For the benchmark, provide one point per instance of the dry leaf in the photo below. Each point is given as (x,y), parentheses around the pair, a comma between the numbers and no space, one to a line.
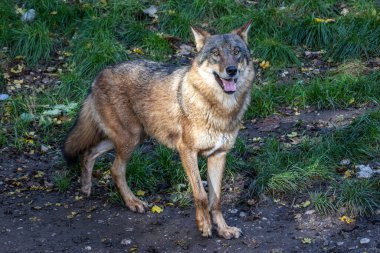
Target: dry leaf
(306,240)
(347,219)
(306,203)
(156,209)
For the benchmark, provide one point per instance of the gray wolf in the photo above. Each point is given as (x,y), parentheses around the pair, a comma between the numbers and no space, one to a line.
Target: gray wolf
(194,109)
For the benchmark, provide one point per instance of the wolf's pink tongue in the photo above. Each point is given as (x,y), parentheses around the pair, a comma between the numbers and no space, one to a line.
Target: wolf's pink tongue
(229,85)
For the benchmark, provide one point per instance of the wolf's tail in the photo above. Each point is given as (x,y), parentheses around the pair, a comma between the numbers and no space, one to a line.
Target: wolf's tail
(83,135)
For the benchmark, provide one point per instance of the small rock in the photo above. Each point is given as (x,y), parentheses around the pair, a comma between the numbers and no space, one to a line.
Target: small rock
(308,212)
(242,214)
(339,243)
(345,162)
(45,80)
(44,148)
(29,16)
(233,211)
(326,243)
(204,183)
(151,11)
(88,248)
(364,240)
(4,97)
(126,241)
(364,171)
(51,69)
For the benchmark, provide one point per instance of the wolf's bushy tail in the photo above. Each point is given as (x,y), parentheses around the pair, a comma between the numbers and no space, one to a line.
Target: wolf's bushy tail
(83,135)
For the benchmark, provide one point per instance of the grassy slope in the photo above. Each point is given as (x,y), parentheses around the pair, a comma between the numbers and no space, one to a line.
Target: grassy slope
(93,34)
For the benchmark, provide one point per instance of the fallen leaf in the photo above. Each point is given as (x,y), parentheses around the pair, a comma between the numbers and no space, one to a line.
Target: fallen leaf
(348,174)
(34,219)
(72,215)
(292,134)
(156,209)
(264,64)
(306,203)
(19,68)
(306,240)
(140,193)
(347,219)
(137,50)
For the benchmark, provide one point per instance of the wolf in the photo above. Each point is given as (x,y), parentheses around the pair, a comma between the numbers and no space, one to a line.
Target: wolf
(193,109)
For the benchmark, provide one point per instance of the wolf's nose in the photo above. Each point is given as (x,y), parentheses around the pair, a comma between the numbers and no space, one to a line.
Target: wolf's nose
(231,70)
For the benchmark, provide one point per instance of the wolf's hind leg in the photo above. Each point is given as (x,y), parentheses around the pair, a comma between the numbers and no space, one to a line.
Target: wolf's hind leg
(215,170)
(89,161)
(123,154)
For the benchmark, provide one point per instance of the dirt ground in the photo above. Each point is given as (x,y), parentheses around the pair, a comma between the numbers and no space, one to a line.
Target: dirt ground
(35,217)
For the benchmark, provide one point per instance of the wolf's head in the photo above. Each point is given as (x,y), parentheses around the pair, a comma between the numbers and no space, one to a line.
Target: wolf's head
(223,57)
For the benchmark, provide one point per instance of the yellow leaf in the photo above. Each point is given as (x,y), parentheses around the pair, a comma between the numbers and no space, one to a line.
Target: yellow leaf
(19,10)
(72,215)
(39,174)
(306,203)
(18,68)
(67,54)
(34,219)
(352,100)
(140,193)
(156,209)
(347,219)
(78,197)
(306,240)
(292,134)
(137,50)
(264,64)
(319,20)
(53,13)
(348,174)
(242,126)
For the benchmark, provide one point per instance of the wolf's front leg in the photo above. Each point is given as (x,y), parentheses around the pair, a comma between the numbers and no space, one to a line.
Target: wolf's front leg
(190,163)
(215,170)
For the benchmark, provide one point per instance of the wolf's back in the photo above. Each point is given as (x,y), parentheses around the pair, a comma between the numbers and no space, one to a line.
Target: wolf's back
(83,135)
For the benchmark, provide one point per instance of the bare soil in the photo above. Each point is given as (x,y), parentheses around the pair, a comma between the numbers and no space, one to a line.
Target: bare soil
(35,217)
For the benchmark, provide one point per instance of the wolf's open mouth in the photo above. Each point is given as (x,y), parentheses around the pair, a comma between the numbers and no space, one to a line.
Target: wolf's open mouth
(228,85)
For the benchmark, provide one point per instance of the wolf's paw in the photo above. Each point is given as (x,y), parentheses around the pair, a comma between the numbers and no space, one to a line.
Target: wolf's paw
(229,232)
(204,224)
(136,205)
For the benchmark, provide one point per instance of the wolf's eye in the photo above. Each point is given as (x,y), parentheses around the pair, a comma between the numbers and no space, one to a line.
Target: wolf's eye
(215,52)
(236,51)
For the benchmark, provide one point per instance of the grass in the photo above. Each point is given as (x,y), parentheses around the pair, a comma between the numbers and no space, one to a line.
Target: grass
(62,180)
(331,92)
(282,170)
(90,35)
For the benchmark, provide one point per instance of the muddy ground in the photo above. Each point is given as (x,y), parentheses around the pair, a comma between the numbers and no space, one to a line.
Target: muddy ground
(35,217)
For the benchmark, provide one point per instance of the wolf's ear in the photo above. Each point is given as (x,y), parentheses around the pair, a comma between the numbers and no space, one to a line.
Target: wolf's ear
(243,31)
(200,37)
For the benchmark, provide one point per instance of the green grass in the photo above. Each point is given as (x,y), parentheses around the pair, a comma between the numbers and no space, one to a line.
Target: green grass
(331,92)
(98,34)
(34,42)
(281,170)
(62,180)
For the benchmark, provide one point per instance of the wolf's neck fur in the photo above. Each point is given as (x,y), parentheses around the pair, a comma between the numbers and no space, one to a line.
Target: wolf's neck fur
(209,103)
